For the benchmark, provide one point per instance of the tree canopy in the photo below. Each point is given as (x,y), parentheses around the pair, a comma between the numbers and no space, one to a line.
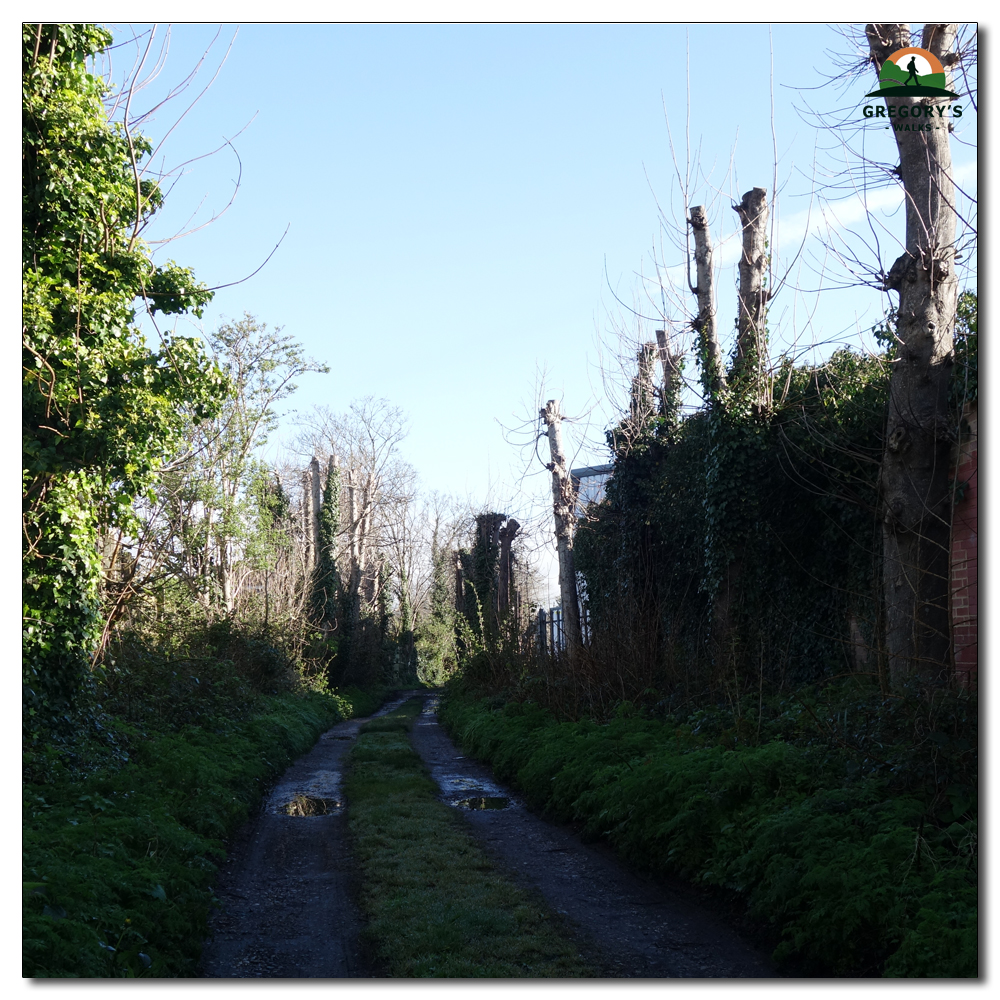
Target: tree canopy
(101,408)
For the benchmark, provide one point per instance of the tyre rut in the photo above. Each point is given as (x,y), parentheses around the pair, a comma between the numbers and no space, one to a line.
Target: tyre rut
(632,926)
(287,891)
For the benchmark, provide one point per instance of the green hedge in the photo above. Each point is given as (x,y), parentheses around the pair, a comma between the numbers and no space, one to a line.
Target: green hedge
(120,858)
(831,864)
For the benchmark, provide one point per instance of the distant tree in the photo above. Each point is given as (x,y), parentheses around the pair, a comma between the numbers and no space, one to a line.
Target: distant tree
(377,486)
(261,364)
(327,584)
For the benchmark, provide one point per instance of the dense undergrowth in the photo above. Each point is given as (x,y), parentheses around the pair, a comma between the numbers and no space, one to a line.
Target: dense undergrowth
(844,827)
(126,815)
(435,904)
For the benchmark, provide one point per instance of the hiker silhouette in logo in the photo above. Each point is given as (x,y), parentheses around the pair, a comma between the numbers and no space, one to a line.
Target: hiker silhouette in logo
(911,68)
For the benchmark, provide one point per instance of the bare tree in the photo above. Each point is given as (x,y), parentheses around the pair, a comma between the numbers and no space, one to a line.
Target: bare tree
(378,485)
(564,512)
(915,467)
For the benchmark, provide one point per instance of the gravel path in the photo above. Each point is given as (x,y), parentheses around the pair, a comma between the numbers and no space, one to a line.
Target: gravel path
(289,887)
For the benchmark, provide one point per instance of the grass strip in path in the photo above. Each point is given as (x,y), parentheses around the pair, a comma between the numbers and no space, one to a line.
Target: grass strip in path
(436,905)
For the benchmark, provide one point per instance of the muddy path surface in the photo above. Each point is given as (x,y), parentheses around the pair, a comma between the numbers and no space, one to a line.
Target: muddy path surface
(628,926)
(288,890)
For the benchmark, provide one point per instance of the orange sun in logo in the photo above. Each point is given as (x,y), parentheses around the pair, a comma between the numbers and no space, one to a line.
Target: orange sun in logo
(927,62)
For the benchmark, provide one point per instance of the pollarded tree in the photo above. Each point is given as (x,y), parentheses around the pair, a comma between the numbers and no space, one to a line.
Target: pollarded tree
(101,410)
(564,513)
(916,463)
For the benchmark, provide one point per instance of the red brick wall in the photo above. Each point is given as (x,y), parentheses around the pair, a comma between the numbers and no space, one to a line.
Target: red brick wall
(965,558)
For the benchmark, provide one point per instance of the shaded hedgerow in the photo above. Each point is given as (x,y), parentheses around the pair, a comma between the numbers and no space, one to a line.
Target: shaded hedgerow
(121,841)
(744,547)
(847,863)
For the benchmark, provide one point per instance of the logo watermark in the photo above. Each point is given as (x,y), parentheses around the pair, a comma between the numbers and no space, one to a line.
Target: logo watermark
(913,73)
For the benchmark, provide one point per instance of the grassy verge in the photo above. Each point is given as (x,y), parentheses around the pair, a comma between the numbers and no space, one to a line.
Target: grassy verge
(841,868)
(120,855)
(435,904)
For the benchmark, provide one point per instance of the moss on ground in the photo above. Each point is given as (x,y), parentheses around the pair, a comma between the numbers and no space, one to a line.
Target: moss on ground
(436,906)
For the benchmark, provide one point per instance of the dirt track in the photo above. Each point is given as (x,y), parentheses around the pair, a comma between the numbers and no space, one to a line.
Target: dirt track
(288,891)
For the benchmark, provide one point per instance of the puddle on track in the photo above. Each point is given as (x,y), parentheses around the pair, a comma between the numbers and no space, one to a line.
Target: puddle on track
(321,786)
(460,790)
(306,806)
(483,802)
(634,926)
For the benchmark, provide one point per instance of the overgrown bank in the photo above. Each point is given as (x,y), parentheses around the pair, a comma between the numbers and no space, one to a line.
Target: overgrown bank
(123,832)
(843,857)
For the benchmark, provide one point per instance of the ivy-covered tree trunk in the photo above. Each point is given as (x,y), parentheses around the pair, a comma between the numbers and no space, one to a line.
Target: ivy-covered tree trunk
(326,585)
(507,535)
(643,406)
(307,521)
(735,432)
(709,351)
(564,512)
(915,464)
(750,367)
(670,402)
(354,550)
(315,506)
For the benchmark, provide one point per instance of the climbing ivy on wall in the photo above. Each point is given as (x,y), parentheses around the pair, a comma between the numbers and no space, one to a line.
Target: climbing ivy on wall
(788,496)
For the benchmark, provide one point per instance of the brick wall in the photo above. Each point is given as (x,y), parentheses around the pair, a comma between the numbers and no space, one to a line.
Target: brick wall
(965,557)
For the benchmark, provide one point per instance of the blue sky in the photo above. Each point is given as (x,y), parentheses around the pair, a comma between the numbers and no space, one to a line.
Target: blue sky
(465,205)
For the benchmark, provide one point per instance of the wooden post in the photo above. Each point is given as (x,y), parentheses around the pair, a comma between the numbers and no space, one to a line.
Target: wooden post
(564,512)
